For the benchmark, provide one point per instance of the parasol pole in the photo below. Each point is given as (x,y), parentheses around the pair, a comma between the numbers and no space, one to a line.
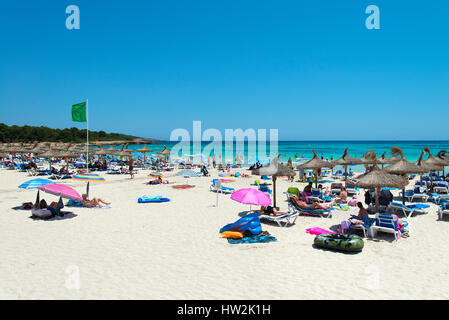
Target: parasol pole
(87,135)
(274,191)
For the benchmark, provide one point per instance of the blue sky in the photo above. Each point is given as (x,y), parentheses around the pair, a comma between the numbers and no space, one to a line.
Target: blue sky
(309,68)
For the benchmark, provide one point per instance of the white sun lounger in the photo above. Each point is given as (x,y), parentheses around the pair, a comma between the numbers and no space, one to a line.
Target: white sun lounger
(288,218)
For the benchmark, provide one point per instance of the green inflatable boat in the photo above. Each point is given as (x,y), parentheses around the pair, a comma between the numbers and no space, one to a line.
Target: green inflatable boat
(343,242)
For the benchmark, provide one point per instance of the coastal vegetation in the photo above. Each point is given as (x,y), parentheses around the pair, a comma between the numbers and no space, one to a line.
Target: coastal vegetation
(30,134)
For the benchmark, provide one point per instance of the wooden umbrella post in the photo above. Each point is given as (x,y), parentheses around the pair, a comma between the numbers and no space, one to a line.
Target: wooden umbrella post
(274,191)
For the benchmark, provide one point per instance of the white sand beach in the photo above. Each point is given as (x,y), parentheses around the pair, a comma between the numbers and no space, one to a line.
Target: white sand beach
(173,250)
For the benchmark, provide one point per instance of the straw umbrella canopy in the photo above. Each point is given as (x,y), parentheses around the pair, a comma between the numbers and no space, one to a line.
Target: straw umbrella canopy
(48,155)
(404,167)
(101,152)
(377,178)
(144,150)
(436,163)
(274,169)
(345,160)
(383,160)
(315,164)
(444,158)
(165,152)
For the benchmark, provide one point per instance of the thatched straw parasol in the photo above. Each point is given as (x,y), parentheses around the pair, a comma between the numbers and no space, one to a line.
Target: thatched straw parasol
(383,160)
(165,152)
(436,161)
(377,178)
(345,160)
(144,150)
(101,152)
(404,167)
(315,164)
(274,169)
(48,155)
(368,158)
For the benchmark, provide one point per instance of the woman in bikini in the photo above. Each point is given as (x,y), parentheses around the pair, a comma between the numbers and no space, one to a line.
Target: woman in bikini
(94,202)
(313,206)
(269,210)
(343,197)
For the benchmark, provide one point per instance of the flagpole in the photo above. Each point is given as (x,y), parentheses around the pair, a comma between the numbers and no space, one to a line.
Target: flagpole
(87,134)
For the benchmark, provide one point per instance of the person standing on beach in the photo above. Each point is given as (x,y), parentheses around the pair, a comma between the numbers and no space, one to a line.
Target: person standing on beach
(214,161)
(131,167)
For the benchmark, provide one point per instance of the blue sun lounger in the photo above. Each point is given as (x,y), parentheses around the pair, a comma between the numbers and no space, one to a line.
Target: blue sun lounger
(319,213)
(417,193)
(408,210)
(218,187)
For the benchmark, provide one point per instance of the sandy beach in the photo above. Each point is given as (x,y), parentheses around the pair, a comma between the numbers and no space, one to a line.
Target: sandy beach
(173,250)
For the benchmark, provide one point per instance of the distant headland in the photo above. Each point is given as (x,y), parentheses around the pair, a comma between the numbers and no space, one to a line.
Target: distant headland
(14,133)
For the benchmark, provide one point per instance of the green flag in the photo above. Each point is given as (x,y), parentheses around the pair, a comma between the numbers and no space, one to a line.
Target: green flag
(79,112)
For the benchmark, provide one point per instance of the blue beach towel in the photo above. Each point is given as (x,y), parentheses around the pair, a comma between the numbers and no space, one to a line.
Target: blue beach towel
(253,239)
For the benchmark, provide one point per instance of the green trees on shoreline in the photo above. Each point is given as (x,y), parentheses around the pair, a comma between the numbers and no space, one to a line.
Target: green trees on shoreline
(29,134)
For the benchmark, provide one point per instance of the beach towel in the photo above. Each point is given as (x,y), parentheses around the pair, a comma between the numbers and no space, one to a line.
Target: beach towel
(183,186)
(317,231)
(260,238)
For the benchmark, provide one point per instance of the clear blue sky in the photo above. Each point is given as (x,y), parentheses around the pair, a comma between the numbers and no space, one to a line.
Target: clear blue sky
(309,68)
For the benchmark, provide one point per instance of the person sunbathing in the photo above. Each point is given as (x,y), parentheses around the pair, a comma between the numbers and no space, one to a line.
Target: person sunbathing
(313,206)
(343,197)
(41,205)
(94,202)
(53,207)
(362,211)
(269,210)
(158,180)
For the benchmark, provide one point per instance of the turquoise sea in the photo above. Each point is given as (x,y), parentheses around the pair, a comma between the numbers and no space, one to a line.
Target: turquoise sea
(329,149)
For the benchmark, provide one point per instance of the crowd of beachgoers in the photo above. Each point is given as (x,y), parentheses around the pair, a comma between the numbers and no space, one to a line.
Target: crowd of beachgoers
(157,228)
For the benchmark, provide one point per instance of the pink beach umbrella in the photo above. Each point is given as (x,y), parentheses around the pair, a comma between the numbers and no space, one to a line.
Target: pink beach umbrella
(62,190)
(251,196)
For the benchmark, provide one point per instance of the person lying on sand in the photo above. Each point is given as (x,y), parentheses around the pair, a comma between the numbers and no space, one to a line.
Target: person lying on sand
(94,202)
(313,206)
(158,180)
(53,207)
(269,210)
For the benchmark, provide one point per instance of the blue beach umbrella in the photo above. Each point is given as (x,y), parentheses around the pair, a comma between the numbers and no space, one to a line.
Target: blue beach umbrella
(187,173)
(34,184)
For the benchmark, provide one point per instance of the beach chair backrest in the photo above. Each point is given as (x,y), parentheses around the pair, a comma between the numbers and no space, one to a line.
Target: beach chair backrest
(263,188)
(386,220)
(445,206)
(418,190)
(316,192)
(294,190)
